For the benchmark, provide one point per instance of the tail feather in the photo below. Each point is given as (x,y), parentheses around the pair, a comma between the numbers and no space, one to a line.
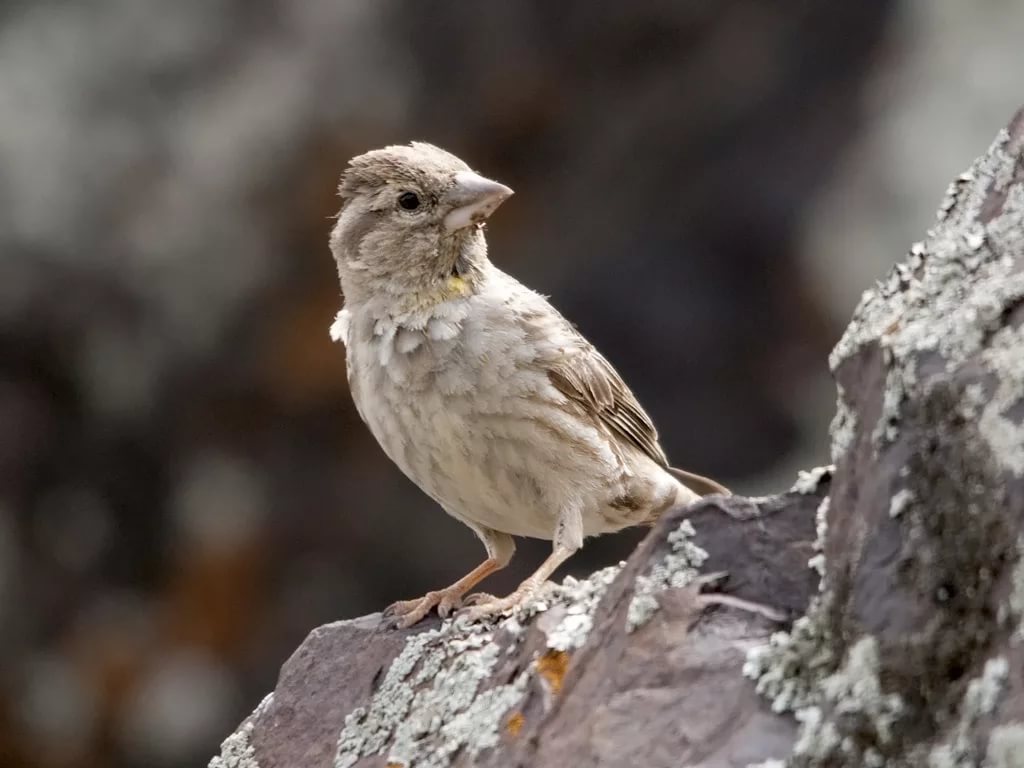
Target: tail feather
(699,484)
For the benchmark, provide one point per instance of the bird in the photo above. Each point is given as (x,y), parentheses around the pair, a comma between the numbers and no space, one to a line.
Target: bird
(476,387)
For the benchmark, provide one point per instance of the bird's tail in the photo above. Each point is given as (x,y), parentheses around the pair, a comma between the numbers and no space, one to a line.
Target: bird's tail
(700,485)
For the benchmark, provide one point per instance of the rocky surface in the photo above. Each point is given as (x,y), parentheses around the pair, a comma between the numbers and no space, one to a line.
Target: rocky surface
(912,653)
(899,574)
(568,679)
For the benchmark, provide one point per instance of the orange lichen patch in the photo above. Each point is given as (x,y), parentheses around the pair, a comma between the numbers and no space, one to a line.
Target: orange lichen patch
(394,765)
(515,723)
(552,667)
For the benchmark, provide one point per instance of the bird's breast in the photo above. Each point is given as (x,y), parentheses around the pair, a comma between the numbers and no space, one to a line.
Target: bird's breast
(457,403)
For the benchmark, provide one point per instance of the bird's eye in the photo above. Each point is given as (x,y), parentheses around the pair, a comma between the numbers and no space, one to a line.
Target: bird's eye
(410,201)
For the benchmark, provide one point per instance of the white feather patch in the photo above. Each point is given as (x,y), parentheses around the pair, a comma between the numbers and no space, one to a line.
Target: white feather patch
(407,341)
(339,328)
(442,330)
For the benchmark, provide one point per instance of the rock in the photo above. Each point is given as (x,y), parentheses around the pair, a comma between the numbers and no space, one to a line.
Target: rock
(572,674)
(912,653)
(899,574)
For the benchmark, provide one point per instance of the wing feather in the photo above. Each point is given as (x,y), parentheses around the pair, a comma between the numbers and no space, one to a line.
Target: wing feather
(582,374)
(585,377)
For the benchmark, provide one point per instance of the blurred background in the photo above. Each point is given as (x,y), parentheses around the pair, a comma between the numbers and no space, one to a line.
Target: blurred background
(185,487)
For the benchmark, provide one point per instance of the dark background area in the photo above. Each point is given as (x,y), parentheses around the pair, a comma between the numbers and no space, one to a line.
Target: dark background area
(185,487)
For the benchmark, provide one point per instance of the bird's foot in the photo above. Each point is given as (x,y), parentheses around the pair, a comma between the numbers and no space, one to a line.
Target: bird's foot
(478,598)
(405,613)
(482,606)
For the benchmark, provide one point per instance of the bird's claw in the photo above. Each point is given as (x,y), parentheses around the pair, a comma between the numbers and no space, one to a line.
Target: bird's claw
(405,613)
(478,598)
(482,606)
(486,610)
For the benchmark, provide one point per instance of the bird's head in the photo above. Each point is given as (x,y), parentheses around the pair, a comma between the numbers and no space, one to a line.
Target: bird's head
(410,225)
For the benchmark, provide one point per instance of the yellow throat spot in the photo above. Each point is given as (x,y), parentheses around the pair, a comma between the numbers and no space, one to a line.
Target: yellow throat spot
(453,287)
(457,285)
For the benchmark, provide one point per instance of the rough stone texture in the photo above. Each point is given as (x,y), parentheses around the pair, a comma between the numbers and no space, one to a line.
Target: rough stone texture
(355,694)
(902,569)
(911,654)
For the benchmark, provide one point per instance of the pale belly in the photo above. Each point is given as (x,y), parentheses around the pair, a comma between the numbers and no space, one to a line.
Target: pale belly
(490,469)
(511,462)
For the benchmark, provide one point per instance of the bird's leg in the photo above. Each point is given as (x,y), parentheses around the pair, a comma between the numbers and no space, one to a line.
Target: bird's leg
(567,540)
(408,612)
(524,591)
(405,613)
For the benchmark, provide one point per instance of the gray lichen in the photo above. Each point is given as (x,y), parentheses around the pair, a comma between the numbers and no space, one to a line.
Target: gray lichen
(948,296)
(789,668)
(899,381)
(1015,603)
(983,692)
(899,502)
(453,709)
(437,697)
(956,542)
(982,695)
(817,562)
(678,568)
(843,429)
(579,601)
(235,750)
(807,481)
(1006,747)
(948,305)
(429,704)
(853,694)
(1005,437)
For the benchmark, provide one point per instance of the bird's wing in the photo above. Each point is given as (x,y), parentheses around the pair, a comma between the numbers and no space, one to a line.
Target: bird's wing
(584,376)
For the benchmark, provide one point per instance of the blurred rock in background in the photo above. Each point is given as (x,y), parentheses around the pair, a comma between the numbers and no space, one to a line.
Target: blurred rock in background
(185,487)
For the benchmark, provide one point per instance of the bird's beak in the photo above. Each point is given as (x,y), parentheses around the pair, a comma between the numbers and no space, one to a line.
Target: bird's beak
(473,199)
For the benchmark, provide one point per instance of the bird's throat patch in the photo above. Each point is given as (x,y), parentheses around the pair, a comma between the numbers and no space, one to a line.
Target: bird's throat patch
(457,286)
(453,287)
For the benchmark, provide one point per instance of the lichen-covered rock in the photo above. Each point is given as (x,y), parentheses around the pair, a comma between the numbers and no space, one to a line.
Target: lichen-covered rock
(572,678)
(902,566)
(911,654)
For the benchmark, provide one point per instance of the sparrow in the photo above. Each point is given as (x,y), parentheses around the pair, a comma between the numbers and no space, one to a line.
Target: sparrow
(480,391)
